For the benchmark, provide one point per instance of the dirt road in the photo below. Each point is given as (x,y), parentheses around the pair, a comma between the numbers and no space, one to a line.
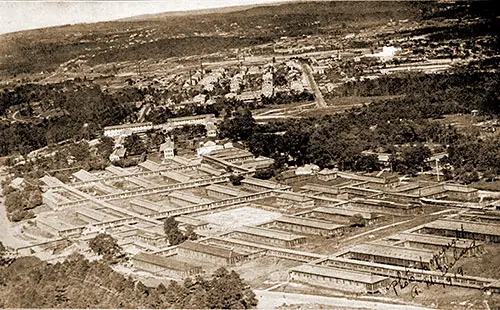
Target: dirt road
(270,300)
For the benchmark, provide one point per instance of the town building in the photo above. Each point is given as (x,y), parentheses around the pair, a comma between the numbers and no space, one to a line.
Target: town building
(167,148)
(118,153)
(127,129)
(211,130)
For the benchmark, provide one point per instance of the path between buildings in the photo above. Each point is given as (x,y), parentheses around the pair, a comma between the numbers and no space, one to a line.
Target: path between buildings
(271,300)
(377,229)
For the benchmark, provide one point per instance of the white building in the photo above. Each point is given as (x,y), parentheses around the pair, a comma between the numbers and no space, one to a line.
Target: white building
(168,149)
(208,147)
(128,129)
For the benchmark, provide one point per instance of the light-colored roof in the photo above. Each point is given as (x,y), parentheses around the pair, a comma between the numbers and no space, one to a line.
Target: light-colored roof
(294,197)
(190,221)
(84,175)
(268,233)
(125,126)
(338,273)
(148,205)
(309,222)
(209,169)
(226,190)
(176,175)
(168,144)
(189,197)
(262,183)
(150,165)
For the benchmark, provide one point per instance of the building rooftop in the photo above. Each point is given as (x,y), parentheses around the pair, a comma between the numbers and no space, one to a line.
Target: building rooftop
(189,197)
(209,169)
(187,118)
(338,273)
(321,188)
(393,252)
(294,197)
(188,220)
(384,203)
(435,240)
(168,144)
(164,262)
(84,175)
(268,233)
(226,190)
(209,249)
(309,222)
(125,126)
(176,175)
(473,227)
(150,165)
(262,183)
(346,212)
(148,205)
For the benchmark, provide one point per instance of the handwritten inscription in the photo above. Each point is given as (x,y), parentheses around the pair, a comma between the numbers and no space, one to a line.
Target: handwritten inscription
(407,279)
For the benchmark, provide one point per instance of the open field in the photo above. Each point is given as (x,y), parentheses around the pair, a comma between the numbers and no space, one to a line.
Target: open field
(245,216)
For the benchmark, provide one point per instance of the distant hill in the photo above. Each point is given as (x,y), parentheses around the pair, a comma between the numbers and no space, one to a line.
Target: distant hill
(178,34)
(223,10)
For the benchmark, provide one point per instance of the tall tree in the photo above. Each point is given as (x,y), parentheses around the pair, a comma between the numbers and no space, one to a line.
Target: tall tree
(173,233)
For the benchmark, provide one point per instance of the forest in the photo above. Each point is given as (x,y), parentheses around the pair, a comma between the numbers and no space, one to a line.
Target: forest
(56,112)
(177,36)
(28,282)
(404,127)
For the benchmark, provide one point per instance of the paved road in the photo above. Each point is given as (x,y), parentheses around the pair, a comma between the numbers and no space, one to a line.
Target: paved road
(270,300)
(320,101)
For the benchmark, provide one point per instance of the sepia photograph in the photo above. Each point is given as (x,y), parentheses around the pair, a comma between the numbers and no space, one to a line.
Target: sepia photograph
(250,154)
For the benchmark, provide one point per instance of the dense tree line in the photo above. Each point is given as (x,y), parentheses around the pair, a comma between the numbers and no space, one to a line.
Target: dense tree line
(445,93)
(67,110)
(399,126)
(28,282)
(19,202)
(224,106)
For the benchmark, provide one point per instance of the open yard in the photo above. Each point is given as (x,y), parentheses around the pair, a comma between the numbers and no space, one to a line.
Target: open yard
(240,217)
